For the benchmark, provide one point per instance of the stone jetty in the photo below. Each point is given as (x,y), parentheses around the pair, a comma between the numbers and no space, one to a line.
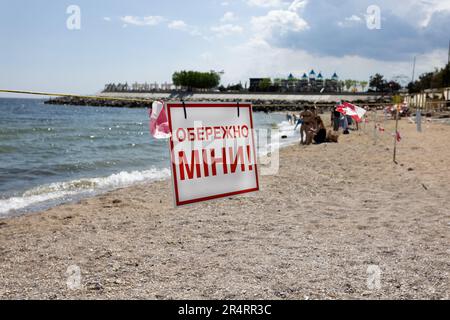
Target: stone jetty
(261,102)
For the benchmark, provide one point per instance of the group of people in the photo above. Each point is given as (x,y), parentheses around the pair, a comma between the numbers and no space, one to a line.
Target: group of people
(313,130)
(345,122)
(312,127)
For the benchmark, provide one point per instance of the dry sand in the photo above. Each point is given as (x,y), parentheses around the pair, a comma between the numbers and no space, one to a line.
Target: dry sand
(312,232)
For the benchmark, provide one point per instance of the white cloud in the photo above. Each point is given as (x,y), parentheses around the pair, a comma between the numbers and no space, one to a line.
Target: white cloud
(142,21)
(402,28)
(297,5)
(350,21)
(227,30)
(353,18)
(178,25)
(278,21)
(431,7)
(225,3)
(257,58)
(265,3)
(228,17)
(293,5)
(417,12)
(107,19)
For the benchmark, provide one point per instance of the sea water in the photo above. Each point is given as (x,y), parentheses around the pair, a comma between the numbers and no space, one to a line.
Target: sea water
(52,154)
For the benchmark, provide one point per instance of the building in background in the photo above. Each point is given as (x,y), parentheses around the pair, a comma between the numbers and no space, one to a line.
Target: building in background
(139,87)
(312,83)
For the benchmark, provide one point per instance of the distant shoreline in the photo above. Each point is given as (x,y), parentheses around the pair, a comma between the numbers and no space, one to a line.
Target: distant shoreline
(264,102)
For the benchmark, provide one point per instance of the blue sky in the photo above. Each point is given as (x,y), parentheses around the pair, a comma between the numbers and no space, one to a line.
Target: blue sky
(139,40)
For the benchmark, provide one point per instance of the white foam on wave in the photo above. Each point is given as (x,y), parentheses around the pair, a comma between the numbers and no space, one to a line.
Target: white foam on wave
(288,133)
(68,189)
(284,136)
(60,191)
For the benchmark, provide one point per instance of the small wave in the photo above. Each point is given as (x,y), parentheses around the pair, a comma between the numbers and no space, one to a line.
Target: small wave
(48,195)
(7,149)
(65,190)
(287,135)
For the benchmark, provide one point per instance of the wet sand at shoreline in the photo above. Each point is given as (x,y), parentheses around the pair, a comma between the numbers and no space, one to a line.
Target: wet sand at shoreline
(332,212)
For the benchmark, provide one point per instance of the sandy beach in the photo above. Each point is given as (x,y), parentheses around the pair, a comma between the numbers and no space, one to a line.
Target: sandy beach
(313,231)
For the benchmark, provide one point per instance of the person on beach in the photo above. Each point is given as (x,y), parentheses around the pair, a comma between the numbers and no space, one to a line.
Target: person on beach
(289,118)
(349,121)
(335,116)
(344,124)
(308,126)
(320,132)
(298,123)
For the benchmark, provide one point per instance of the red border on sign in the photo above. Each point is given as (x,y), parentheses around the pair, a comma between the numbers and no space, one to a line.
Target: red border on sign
(172,156)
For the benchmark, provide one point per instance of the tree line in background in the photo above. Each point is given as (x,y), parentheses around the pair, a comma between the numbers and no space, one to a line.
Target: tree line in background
(352,85)
(269,85)
(377,83)
(196,80)
(192,80)
(232,88)
(439,78)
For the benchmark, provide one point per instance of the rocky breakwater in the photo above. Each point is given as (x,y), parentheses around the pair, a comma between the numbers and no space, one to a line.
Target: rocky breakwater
(260,103)
(95,102)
